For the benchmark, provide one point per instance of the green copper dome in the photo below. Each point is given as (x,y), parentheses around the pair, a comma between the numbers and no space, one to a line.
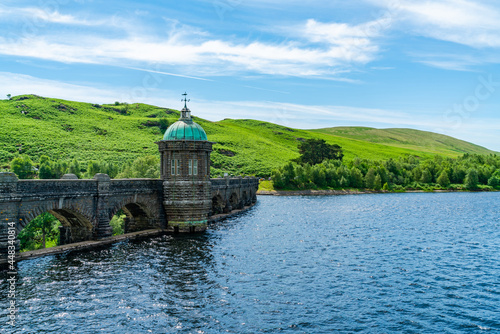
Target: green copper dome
(185,129)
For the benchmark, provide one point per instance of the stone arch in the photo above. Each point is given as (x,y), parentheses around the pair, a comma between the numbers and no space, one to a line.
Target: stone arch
(138,216)
(234,201)
(246,198)
(217,204)
(75,225)
(69,214)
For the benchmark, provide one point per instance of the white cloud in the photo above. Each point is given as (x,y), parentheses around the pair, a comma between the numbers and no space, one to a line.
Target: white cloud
(472,23)
(33,16)
(19,84)
(321,50)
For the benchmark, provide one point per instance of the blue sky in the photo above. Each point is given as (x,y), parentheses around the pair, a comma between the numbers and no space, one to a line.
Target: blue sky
(429,65)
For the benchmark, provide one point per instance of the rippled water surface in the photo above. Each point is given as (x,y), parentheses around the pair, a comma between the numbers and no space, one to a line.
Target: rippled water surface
(412,263)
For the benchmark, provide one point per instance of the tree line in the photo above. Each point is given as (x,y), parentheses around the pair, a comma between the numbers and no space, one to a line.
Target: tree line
(45,168)
(470,171)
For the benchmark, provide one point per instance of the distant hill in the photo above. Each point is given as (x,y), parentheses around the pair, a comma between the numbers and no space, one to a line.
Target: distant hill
(408,138)
(119,133)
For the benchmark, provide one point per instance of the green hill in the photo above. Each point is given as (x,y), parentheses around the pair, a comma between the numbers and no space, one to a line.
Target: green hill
(119,133)
(408,138)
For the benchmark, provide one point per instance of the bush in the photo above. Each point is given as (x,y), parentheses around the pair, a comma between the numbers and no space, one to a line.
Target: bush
(23,167)
(494,181)
(472,179)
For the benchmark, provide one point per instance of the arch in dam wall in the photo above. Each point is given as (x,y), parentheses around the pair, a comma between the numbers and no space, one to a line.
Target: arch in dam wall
(85,207)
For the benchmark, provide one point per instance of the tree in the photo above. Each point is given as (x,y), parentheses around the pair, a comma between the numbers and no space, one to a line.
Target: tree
(370,178)
(319,176)
(443,179)
(142,167)
(8,96)
(471,179)
(278,180)
(74,168)
(93,168)
(23,167)
(163,124)
(458,175)
(315,151)
(426,176)
(45,171)
(109,168)
(357,178)
(41,229)
(494,181)
(117,223)
(344,183)
(59,168)
(377,184)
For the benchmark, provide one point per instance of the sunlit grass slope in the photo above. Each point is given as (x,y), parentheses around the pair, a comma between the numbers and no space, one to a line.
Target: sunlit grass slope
(120,133)
(408,138)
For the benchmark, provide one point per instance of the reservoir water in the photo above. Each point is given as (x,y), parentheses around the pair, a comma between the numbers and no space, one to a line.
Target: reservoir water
(385,263)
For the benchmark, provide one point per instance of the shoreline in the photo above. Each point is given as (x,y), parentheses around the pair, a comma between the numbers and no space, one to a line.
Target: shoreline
(332,192)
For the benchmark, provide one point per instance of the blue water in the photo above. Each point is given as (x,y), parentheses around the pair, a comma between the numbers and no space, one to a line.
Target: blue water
(392,263)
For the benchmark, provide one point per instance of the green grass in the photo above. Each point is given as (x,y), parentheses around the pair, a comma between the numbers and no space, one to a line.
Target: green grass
(65,130)
(409,139)
(266,185)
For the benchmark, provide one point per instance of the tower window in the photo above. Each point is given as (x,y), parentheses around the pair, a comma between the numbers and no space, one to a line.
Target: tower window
(175,167)
(193,167)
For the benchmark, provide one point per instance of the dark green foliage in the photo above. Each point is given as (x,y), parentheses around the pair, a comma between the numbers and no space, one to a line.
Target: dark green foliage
(117,223)
(45,171)
(74,168)
(370,178)
(143,167)
(315,151)
(377,185)
(403,173)
(443,179)
(472,179)
(357,180)
(426,176)
(163,124)
(93,168)
(23,167)
(51,170)
(38,232)
(494,181)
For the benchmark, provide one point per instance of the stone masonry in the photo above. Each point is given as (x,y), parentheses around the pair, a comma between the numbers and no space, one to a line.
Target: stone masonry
(85,207)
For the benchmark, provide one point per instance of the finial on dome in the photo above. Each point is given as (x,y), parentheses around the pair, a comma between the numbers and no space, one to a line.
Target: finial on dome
(185,112)
(185,100)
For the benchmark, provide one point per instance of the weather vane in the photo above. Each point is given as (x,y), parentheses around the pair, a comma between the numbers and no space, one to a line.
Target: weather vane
(185,100)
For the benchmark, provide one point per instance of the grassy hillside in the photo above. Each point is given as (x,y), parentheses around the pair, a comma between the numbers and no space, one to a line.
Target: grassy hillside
(62,129)
(408,138)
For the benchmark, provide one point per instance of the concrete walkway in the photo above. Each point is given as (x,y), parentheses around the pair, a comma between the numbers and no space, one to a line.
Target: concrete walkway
(88,244)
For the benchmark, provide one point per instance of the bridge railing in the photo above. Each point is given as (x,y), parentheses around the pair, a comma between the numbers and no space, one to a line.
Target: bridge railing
(135,185)
(59,187)
(227,181)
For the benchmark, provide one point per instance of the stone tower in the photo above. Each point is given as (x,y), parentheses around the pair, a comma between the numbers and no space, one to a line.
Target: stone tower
(185,171)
